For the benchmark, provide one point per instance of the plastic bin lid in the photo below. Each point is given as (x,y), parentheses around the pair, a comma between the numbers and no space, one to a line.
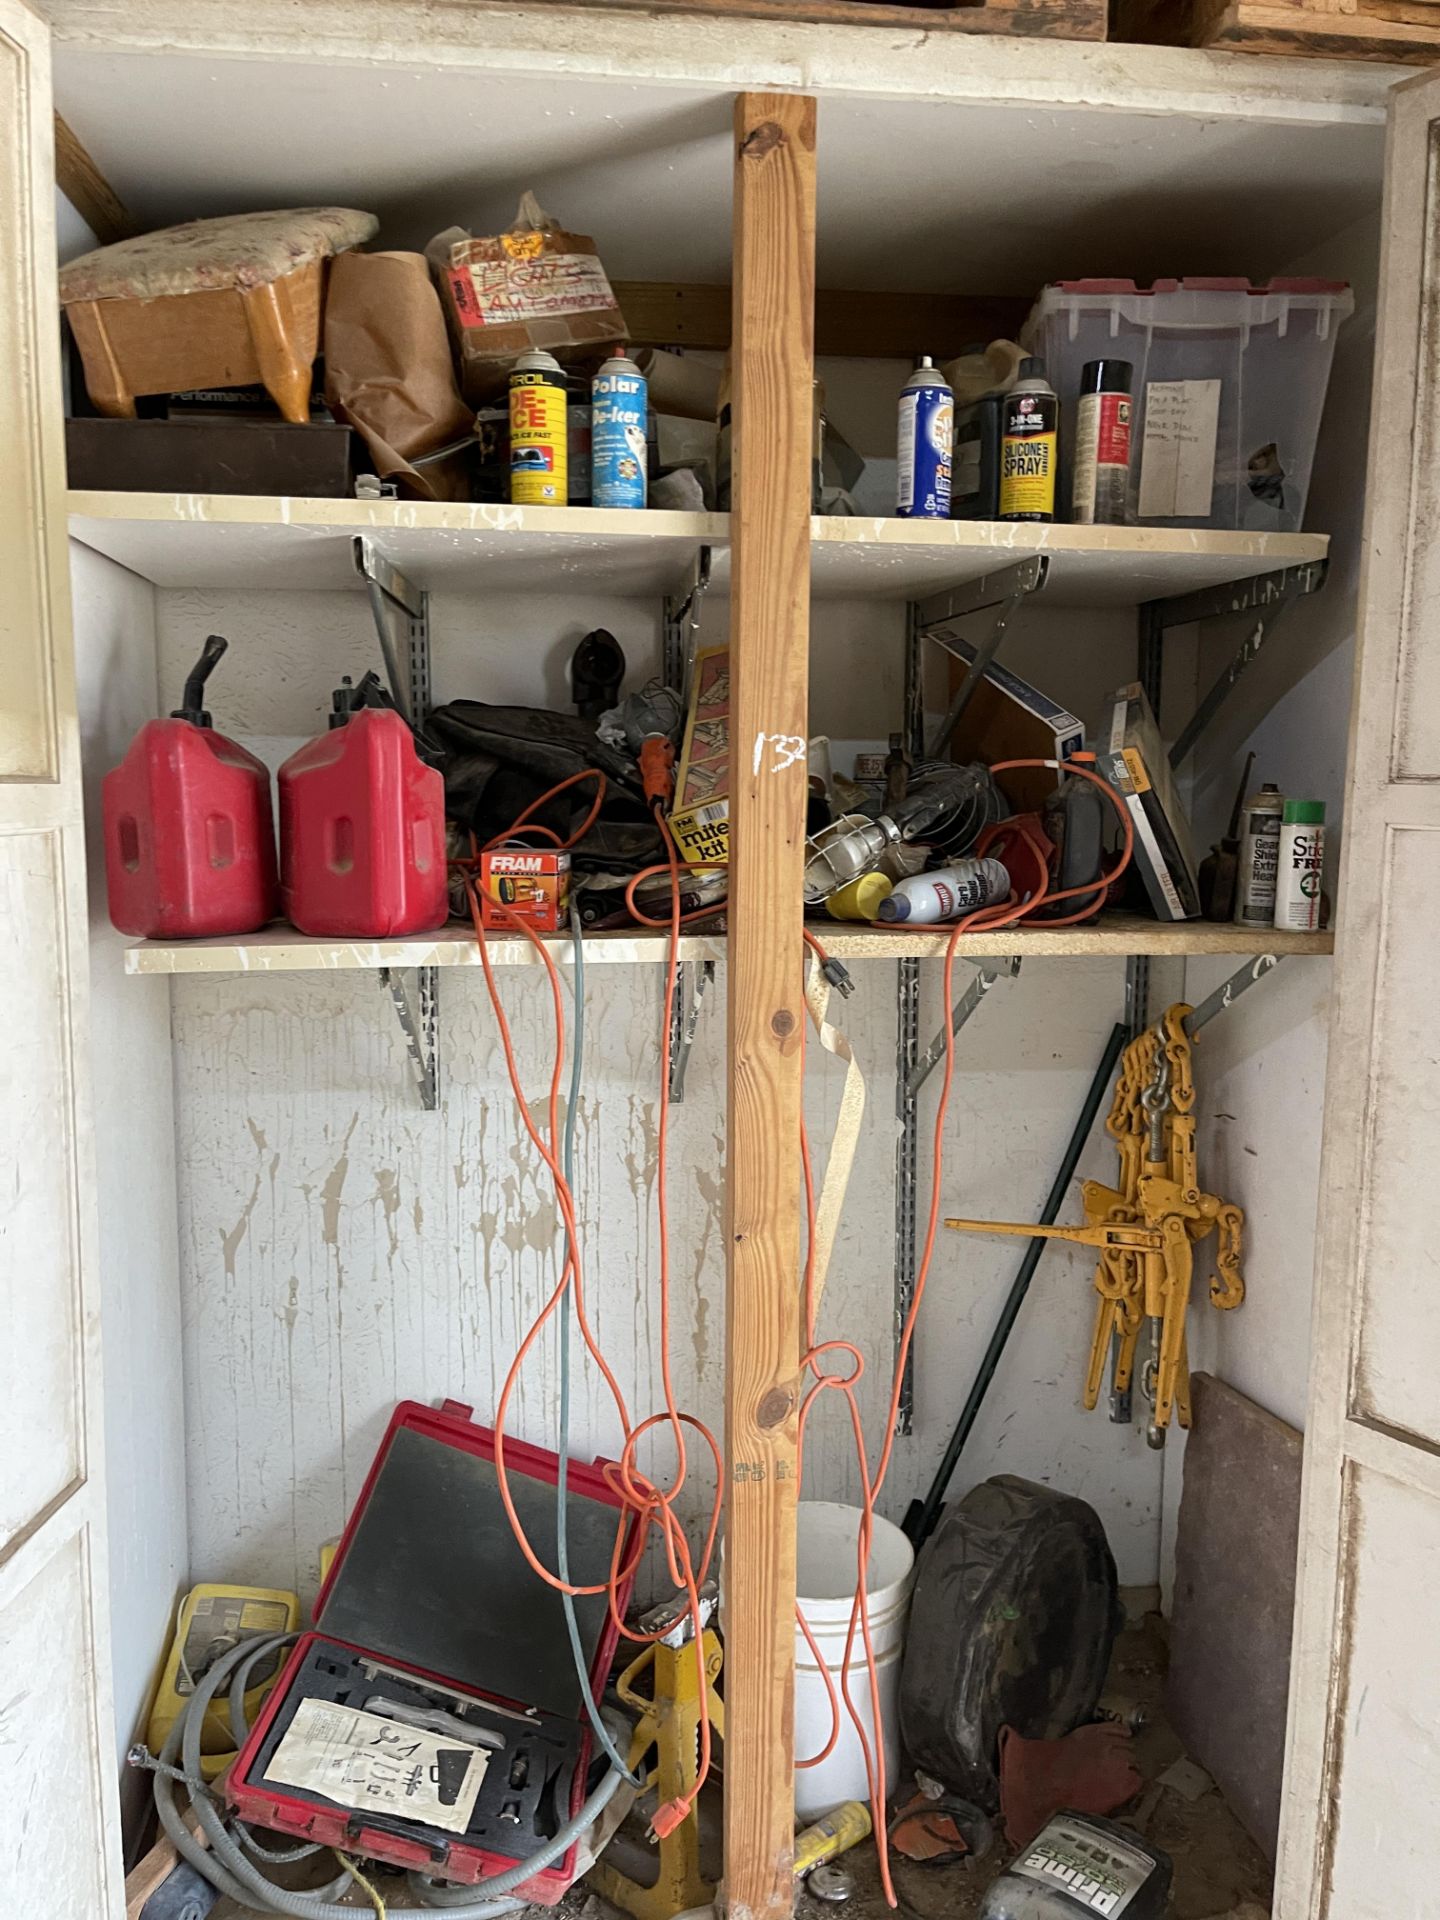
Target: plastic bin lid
(1212,284)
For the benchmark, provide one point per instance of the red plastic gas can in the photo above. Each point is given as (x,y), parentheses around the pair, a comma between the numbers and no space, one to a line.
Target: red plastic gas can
(189,834)
(362,830)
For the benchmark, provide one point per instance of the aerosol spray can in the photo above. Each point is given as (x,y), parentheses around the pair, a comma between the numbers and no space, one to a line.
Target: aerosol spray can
(577,438)
(1302,862)
(947,894)
(925,445)
(1029,442)
(617,445)
(1259,858)
(539,462)
(1102,444)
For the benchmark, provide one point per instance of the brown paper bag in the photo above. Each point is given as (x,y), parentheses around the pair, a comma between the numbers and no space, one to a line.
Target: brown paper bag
(388,371)
(535,286)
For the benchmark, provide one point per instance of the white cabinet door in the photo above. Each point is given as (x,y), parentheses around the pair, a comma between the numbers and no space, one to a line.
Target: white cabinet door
(58,1827)
(1363,1769)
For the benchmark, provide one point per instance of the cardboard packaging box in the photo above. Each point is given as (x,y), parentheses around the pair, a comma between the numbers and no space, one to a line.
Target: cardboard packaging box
(701,819)
(535,286)
(1008,719)
(529,883)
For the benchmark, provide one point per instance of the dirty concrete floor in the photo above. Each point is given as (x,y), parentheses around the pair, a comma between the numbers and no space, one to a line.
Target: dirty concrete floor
(1219,1871)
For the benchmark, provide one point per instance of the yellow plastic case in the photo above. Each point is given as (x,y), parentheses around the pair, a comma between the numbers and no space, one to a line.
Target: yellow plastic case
(213,1619)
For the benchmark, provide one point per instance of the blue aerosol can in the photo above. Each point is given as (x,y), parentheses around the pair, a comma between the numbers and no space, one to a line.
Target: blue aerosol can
(926,440)
(617,434)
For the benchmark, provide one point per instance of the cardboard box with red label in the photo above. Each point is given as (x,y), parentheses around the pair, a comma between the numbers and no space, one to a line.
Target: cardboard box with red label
(531,884)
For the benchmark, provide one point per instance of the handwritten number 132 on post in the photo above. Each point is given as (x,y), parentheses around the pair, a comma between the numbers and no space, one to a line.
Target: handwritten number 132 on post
(785,750)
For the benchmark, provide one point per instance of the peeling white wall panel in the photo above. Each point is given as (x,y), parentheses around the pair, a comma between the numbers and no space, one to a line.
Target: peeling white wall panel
(114,621)
(342,1249)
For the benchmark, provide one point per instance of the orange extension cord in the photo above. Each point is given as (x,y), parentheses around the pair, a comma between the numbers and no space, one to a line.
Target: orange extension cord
(643,1503)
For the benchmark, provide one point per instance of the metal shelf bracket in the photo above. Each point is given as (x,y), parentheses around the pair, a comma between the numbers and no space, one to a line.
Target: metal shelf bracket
(394,600)
(682,626)
(392,594)
(692,978)
(1005,591)
(1267,597)
(987,972)
(419,1022)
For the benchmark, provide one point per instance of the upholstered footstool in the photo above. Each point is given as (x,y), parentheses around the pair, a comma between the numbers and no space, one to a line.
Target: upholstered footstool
(213,303)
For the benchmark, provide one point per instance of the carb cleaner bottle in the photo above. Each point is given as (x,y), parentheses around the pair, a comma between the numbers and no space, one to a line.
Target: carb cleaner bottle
(925,445)
(1102,444)
(1029,445)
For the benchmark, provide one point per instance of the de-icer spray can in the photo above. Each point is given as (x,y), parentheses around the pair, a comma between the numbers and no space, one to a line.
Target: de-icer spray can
(539,460)
(1102,444)
(925,445)
(1302,862)
(945,895)
(1029,444)
(617,434)
(1259,858)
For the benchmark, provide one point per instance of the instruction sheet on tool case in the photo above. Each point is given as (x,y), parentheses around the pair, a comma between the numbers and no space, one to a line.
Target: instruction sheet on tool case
(374,1765)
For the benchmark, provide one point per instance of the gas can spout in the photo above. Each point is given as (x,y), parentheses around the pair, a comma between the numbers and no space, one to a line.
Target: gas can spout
(192,700)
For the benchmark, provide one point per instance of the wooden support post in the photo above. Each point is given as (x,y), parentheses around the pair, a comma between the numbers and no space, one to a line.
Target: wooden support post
(774,284)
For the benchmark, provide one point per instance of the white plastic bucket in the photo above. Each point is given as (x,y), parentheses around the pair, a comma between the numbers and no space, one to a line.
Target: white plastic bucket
(827,1543)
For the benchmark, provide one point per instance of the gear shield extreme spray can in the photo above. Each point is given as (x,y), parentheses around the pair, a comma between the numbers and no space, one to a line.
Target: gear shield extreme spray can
(539,454)
(925,444)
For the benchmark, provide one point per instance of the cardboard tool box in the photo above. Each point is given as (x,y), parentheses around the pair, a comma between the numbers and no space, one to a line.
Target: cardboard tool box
(433,1718)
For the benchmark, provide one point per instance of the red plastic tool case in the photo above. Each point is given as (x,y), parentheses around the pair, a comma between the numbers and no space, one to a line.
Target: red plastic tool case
(430,1587)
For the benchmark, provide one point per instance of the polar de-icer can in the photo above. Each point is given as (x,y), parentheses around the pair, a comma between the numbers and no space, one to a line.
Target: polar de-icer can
(925,445)
(539,454)
(619,400)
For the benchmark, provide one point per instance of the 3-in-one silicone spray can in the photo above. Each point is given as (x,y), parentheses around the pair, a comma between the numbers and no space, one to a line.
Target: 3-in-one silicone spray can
(1029,442)
(539,456)
(925,445)
(617,434)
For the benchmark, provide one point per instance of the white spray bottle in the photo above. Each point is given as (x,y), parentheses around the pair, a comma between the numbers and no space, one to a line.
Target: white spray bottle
(945,895)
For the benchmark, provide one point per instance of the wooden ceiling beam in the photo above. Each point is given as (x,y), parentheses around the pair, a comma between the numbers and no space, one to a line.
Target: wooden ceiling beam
(87,189)
(884,326)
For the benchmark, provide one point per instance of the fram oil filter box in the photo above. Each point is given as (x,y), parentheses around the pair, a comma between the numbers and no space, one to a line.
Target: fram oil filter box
(524,883)
(535,286)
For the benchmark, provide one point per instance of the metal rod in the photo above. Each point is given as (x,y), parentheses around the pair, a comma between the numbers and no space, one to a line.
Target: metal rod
(921,1519)
(1226,994)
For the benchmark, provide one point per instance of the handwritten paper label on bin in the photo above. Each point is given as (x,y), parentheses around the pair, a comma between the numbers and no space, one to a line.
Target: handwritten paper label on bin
(1177,456)
(375,1765)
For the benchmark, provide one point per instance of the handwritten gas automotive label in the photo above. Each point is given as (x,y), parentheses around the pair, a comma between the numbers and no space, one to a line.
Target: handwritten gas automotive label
(375,1765)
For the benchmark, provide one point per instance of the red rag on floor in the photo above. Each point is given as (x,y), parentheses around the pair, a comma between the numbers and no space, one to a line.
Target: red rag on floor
(1088,1771)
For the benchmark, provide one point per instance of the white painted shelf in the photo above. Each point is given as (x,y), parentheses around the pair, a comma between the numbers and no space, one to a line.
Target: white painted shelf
(1089,566)
(239,541)
(249,540)
(279,949)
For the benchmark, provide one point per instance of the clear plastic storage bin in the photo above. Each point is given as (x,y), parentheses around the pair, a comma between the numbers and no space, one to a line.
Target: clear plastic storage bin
(1229,386)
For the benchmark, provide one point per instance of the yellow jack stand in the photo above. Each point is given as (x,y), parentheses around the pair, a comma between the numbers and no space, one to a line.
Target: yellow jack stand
(669,1722)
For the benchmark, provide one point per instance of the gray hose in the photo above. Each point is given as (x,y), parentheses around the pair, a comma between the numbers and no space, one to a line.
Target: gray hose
(452,1898)
(225,1866)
